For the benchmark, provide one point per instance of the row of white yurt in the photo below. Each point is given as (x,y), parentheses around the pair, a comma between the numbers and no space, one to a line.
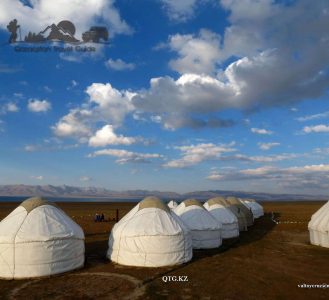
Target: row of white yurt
(39,239)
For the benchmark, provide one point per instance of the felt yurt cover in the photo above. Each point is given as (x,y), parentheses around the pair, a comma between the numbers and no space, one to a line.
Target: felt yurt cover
(241,207)
(242,221)
(256,209)
(230,226)
(150,235)
(205,229)
(39,239)
(319,227)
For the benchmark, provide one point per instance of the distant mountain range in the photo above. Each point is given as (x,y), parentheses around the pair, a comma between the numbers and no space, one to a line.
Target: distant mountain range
(66,191)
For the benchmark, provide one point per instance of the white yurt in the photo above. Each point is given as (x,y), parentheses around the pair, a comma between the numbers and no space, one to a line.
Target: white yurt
(242,221)
(237,203)
(205,229)
(230,225)
(150,235)
(319,227)
(256,209)
(172,204)
(39,239)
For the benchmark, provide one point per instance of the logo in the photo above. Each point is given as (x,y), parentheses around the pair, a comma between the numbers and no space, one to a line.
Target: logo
(63,32)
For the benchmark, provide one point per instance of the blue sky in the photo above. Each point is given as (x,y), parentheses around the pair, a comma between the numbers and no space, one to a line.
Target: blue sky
(187,95)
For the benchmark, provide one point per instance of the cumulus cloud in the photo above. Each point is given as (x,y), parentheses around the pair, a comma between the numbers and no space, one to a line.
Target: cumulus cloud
(261,131)
(74,124)
(105,104)
(267,146)
(106,136)
(263,39)
(9,107)
(301,177)
(38,14)
(195,154)
(196,54)
(35,105)
(316,128)
(119,65)
(125,156)
(270,55)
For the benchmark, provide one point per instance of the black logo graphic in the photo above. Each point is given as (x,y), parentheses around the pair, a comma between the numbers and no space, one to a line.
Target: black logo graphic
(12,28)
(64,31)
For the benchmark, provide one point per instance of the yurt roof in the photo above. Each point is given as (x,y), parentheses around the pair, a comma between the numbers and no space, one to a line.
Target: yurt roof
(190,202)
(34,202)
(216,200)
(154,202)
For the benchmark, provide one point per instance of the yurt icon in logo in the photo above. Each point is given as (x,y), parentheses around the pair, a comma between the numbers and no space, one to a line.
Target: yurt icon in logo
(64,31)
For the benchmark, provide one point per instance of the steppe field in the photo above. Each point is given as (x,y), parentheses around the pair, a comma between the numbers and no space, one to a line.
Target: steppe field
(267,262)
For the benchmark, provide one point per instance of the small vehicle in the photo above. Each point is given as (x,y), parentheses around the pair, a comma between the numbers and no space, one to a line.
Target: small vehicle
(95,34)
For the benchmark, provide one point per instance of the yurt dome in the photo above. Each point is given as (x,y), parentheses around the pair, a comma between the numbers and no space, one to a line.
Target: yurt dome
(242,222)
(150,235)
(205,229)
(230,225)
(172,204)
(39,239)
(319,227)
(241,207)
(256,209)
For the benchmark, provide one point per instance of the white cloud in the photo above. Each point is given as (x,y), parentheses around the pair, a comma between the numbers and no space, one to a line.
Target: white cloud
(261,131)
(9,107)
(83,13)
(74,124)
(49,145)
(195,154)
(267,146)
(112,103)
(85,178)
(242,70)
(106,136)
(47,89)
(297,177)
(125,156)
(260,158)
(264,38)
(215,176)
(105,104)
(40,177)
(12,107)
(313,117)
(119,65)
(316,128)
(72,85)
(197,54)
(181,10)
(35,105)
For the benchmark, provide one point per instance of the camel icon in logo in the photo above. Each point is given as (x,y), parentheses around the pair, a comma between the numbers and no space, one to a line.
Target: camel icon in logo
(64,31)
